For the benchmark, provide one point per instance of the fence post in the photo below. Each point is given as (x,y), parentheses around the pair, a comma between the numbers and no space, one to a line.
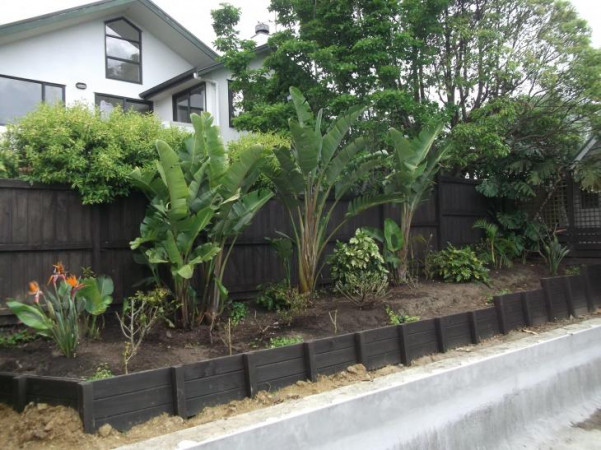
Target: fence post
(20,392)
(526,309)
(360,348)
(569,298)
(85,405)
(548,302)
(250,374)
(310,364)
(588,290)
(500,306)
(474,331)
(178,384)
(402,332)
(96,244)
(439,215)
(441,337)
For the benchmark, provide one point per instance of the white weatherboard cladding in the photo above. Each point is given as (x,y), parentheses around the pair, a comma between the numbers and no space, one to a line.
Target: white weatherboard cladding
(76,54)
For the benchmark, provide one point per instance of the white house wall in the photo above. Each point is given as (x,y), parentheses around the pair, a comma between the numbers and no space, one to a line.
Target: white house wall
(77,54)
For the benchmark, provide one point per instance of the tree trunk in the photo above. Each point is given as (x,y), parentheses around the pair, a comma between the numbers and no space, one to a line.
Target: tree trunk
(403,269)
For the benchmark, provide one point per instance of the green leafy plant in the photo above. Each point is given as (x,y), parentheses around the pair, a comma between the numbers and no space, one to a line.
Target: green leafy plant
(283,341)
(397,318)
(138,316)
(103,371)
(297,305)
(274,296)
(285,250)
(391,238)
(8,340)
(573,270)
(237,313)
(358,270)
(96,293)
(459,265)
(311,179)
(196,194)
(269,142)
(501,249)
(414,164)
(553,252)
(77,146)
(54,313)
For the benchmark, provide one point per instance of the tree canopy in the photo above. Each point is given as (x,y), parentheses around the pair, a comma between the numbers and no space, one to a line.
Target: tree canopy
(505,74)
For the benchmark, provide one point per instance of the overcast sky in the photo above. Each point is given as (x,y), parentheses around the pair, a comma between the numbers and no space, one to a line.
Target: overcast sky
(195,14)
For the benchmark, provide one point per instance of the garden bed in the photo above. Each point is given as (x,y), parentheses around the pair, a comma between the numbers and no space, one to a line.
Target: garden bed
(168,347)
(560,297)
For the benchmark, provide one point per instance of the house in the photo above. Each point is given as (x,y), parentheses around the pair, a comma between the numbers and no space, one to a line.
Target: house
(112,52)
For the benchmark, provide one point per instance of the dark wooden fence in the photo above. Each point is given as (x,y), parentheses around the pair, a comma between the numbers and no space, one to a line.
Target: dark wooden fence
(185,390)
(43,224)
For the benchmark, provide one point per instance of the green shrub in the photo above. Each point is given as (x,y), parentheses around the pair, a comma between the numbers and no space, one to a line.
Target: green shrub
(269,142)
(76,146)
(397,318)
(103,371)
(358,270)
(9,163)
(283,341)
(237,313)
(274,296)
(8,340)
(458,265)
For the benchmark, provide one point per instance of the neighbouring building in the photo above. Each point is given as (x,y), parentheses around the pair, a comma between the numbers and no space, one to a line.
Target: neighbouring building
(112,52)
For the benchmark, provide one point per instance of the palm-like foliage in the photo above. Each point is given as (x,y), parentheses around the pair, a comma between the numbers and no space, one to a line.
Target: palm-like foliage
(414,165)
(313,176)
(196,193)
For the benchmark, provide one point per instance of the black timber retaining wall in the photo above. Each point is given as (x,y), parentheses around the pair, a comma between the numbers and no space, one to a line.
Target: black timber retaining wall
(184,390)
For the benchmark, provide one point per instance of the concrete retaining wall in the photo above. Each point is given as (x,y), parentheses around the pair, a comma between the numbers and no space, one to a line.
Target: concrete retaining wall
(496,397)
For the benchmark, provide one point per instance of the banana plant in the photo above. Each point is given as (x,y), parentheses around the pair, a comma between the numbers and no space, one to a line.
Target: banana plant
(313,176)
(196,194)
(414,164)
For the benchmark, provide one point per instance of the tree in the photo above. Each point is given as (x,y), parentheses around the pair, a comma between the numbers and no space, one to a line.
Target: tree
(411,59)
(312,178)
(196,194)
(414,165)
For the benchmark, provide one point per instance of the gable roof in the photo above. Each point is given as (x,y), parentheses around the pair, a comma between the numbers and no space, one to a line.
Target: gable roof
(144,12)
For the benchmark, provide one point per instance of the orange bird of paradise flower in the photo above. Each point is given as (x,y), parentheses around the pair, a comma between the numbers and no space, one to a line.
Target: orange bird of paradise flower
(34,289)
(57,273)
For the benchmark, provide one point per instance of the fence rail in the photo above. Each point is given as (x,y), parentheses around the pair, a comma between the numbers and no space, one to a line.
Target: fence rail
(185,390)
(42,224)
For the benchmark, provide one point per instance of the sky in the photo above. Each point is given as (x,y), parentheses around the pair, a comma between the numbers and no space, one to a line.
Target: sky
(195,14)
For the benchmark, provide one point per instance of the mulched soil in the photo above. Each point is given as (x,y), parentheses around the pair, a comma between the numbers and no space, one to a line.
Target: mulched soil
(328,314)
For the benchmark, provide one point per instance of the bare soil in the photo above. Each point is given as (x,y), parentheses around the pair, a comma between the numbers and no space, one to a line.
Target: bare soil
(48,427)
(327,316)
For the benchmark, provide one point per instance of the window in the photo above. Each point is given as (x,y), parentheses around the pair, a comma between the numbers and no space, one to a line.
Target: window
(187,102)
(123,46)
(234,98)
(107,103)
(19,96)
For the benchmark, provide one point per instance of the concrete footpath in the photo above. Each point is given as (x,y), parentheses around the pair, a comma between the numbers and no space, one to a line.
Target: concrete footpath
(520,394)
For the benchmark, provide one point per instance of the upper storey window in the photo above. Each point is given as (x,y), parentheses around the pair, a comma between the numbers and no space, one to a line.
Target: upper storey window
(123,43)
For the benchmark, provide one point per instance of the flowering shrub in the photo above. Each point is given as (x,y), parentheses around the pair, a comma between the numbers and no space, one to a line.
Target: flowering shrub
(56,313)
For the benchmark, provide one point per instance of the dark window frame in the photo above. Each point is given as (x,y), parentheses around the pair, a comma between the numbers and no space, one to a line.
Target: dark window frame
(107,57)
(42,84)
(124,100)
(188,91)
